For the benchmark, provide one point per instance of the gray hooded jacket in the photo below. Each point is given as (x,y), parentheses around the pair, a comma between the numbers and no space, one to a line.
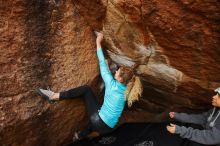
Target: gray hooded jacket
(210,121)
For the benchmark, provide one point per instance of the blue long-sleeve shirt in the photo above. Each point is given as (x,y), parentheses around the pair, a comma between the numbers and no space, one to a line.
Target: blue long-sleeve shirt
(114,100)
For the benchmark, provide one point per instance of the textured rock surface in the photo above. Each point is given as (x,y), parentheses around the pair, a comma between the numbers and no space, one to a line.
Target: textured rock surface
(42,45)
(174,44)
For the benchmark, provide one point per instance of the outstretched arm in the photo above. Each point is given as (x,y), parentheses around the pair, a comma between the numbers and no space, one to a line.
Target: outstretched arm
(104,69)
(99,39)
(210,137)
(206,136)
(200,119)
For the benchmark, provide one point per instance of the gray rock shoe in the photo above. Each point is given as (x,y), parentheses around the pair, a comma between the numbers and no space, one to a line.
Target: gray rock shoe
(47,94)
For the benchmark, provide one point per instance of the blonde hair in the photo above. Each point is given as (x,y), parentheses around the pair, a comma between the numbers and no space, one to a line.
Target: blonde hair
(134,86)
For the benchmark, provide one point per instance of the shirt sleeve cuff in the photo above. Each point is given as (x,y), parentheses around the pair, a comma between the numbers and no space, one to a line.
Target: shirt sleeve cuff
(176,116)
(178,129)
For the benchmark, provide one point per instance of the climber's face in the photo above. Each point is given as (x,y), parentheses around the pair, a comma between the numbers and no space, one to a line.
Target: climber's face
(117,75)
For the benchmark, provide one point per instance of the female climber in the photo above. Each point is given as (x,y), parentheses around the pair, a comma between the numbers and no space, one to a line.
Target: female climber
(210,121)
(123,87)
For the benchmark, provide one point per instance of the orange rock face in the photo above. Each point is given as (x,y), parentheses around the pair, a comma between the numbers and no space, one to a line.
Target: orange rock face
(42,45)
(173,44)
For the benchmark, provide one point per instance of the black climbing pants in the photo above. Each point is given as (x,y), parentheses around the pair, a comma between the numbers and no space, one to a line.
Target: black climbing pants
(92,108)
